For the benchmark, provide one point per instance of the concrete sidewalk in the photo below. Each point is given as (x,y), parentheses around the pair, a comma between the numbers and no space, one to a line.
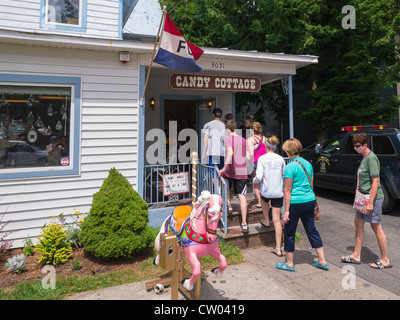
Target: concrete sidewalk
(258,279)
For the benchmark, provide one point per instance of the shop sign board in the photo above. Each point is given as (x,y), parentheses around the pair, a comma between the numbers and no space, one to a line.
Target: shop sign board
(175,183)
(214,82)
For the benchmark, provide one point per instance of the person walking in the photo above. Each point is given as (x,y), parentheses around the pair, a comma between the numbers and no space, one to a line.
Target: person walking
(269,173)
(237,152)
(258,142)
(368,183)
(213,141)
(299,204)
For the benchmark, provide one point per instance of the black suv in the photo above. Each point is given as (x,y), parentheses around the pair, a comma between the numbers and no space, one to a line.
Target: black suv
(336,162)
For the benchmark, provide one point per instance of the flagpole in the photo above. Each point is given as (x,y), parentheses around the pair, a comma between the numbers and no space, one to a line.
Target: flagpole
(142,102)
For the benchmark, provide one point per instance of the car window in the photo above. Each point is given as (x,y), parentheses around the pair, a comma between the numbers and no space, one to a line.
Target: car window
(382,145)
(349,149)
(333,146)
(24,148)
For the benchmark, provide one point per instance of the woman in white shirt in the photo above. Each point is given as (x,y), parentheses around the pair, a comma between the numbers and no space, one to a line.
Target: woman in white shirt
(270,172)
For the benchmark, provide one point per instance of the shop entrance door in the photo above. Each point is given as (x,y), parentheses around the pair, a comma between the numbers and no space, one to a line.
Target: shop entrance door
(179,114)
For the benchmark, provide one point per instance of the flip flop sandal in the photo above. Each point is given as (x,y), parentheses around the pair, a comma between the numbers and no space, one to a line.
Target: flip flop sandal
(284,266)
(264,225)
(258,206)
(324,266)
(379,265)
(277,252)
(348,259)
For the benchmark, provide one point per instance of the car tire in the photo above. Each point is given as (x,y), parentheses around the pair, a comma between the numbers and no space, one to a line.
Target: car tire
(42,162)
(388,202)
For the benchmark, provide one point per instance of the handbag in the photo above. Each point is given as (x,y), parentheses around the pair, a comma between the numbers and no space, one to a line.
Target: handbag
(361,200)
(317,213)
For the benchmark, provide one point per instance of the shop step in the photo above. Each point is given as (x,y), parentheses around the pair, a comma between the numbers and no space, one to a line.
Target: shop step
(253,216)
(257,236)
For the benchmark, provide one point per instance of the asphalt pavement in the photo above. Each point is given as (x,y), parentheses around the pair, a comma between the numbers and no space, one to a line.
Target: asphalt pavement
(258,279)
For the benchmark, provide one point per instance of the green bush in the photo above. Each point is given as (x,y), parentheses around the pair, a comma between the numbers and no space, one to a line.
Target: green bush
(53,245)
(117,223)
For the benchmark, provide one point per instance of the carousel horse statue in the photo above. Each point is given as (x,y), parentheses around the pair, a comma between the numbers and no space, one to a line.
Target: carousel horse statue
(196,229)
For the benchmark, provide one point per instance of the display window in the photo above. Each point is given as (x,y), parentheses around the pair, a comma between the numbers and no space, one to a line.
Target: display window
(37,127)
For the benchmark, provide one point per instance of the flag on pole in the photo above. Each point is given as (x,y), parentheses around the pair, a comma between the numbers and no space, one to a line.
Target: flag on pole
(175,52)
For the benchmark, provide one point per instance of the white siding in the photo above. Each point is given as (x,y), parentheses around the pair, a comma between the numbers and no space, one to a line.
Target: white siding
(109,134)
(103,18)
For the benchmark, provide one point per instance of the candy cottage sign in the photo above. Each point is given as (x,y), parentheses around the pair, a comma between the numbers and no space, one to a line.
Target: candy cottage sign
(216,83)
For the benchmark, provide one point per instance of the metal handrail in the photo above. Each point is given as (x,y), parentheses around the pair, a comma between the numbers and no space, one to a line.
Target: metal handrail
(208,179)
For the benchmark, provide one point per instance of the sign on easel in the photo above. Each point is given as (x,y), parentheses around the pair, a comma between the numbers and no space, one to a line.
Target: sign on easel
(175,183)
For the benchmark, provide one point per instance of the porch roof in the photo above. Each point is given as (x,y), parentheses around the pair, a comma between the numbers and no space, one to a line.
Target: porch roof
(267,66)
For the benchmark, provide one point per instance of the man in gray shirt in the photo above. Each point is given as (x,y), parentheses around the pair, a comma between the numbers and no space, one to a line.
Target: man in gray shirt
(213,141)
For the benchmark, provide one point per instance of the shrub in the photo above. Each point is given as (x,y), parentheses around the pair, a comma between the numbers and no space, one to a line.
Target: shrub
(72,228)
(73,237)
(53,245)
(117,223)
(16,264)
(4,244)
(28,247)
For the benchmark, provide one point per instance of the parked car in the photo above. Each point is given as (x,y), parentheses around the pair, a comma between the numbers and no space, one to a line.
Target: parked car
(336,162)
(23,154)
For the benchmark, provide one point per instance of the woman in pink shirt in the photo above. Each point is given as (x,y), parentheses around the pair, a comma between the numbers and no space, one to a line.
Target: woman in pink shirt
(237,152)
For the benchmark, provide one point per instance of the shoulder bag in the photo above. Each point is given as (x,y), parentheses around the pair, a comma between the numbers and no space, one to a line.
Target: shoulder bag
(317,213)
(361,199)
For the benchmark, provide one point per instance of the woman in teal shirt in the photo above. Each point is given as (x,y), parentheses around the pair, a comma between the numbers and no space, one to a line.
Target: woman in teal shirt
(299,204)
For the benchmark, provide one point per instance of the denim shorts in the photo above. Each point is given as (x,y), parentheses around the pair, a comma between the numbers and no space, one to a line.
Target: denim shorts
(375,216)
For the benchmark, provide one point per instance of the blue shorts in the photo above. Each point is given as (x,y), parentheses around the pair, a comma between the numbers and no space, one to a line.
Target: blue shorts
(216,161)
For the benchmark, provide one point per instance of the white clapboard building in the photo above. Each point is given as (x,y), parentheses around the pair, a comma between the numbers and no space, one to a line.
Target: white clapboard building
(72,74)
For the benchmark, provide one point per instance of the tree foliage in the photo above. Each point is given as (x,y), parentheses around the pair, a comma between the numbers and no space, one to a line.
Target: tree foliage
(354,64)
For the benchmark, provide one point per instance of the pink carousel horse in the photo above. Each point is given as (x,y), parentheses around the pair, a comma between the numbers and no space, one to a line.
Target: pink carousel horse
(196,228)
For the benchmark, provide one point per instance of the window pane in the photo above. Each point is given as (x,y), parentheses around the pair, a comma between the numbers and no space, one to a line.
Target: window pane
(383,145)
(333,146)
(34,126)
(63,11)
(350,147)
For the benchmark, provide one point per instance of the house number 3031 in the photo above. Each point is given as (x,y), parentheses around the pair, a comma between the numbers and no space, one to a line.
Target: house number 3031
(217,65)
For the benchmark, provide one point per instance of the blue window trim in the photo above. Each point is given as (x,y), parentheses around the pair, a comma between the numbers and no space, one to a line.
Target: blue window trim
(74,167)
(67,27)
(121,19)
